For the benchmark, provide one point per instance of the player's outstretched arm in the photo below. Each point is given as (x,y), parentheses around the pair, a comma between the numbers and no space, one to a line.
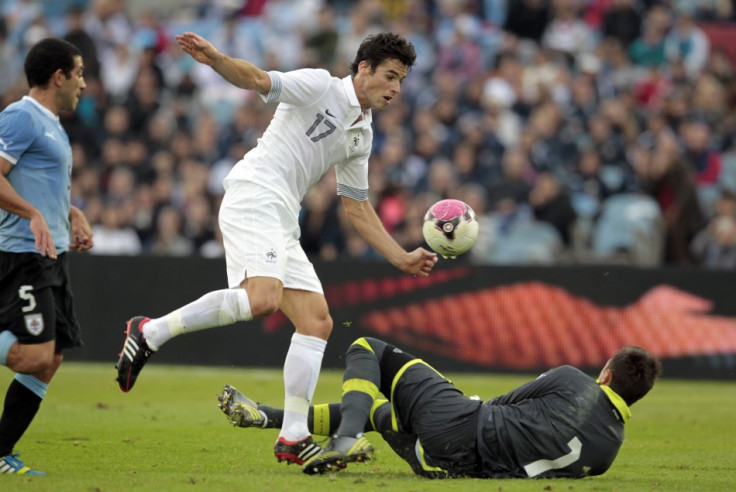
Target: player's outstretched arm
(238,72)
(369,226)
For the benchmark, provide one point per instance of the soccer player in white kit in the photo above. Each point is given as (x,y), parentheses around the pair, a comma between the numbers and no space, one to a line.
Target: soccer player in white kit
(321,121)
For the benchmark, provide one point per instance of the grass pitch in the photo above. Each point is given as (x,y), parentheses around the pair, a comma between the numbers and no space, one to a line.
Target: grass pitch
(168,435)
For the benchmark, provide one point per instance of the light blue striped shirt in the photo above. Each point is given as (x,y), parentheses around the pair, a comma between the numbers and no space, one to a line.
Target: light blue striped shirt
(33,140)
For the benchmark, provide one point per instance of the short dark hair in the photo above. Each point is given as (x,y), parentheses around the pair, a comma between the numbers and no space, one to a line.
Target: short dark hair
(633,371)
(378,48)
(46,57)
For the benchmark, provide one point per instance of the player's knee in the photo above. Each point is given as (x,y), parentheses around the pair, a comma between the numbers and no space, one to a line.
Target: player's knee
(33,362)
(362,343)
(264,305)
(322,326)
(319,326)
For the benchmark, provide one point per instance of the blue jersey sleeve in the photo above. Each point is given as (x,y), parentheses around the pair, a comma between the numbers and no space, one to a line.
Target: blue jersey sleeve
(16,134)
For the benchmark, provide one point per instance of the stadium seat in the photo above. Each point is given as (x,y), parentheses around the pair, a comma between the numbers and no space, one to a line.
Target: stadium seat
(630,225)
(527,242)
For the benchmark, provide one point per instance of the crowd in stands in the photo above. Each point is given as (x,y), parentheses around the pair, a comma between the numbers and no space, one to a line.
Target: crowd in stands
(578,130)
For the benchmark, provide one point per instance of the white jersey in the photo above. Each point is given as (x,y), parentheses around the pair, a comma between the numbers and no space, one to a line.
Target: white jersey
(314,128)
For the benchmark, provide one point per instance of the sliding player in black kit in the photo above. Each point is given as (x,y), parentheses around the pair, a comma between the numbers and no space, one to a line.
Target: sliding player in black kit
(563,424)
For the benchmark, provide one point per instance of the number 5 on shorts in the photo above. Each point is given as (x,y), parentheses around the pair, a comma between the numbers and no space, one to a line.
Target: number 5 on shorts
(25,293)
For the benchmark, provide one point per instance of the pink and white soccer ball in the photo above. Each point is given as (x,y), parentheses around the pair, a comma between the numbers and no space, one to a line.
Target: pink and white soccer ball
(450,227)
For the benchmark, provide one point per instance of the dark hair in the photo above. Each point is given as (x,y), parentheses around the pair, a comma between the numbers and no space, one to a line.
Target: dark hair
(378,48)
(46,57)
(633,371)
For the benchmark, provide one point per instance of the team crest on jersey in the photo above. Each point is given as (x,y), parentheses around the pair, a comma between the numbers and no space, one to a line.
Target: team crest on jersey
(34,323)
(271,256)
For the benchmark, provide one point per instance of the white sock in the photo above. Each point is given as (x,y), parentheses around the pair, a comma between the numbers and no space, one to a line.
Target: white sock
(301,372)
(218,308)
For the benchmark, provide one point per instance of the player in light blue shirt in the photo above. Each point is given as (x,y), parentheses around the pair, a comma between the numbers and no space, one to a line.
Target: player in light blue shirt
(33,141)
(37,227)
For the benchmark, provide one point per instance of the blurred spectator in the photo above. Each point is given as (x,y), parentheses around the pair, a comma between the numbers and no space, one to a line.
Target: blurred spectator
(714,10)
(652,88)
(715,246)
(550,149)
(199,222)
(513,185)
(608,145)
(283,38)
(671,181)
(566,34)
(9,61)
(622,21)
(527,19)
(120,186)
(237,38)
(79,37)
(699,153)
(108,24)
(320,43)
(648,49)
(457,34)
(543,80)
(214,247)
(169,239)
(710,101)
(587,184)
(320,224)
(551,203)
(361,23)
(688,43)
(442,180)
(144,100)
(114,236)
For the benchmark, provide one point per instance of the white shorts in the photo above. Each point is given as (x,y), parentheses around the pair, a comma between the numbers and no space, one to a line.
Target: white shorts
(261,238)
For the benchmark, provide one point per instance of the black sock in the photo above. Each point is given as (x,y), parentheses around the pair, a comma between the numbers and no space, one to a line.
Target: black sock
(322,420)
(21,405)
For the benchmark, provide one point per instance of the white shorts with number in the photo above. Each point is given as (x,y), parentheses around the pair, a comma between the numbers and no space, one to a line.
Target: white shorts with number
(261,238)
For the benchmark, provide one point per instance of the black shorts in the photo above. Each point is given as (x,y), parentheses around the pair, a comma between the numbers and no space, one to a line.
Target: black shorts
(36,301)
(428,405)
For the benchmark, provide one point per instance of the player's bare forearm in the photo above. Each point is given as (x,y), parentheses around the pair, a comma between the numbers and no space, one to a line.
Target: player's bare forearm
(243,74)
(365,220)
(12,202)
(81,230)
(240,73)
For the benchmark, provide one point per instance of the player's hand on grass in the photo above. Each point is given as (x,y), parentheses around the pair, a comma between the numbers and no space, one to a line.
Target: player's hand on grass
(198,48)
(41,233)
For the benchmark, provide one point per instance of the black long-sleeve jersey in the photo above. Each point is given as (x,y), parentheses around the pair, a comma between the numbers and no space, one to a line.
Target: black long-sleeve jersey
(563,424)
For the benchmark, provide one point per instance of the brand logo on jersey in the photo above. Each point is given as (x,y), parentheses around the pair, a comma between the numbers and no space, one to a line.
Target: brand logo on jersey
(327,111)
(34,323)
(271,256)
(5,144)
(50,135)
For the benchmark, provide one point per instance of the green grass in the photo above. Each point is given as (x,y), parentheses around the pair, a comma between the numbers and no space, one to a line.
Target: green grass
(167,434)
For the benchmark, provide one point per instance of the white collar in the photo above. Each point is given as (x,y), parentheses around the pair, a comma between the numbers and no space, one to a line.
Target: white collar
(42,107)
(353,98)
